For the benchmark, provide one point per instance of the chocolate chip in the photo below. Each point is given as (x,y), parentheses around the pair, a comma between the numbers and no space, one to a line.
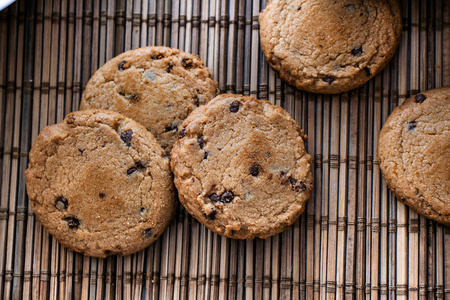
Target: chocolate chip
(201,143)
(227,197)
(123,65)
(70,120)
(412,125)
(357,51)
(142,210)
(81,151)
(61,203)
(131,171)
(300,187)
(170,67)
(157,56)
(197,101)
(328,79)
(234,106)
(205,155)
(214,198)
(102,195)
(139,165)
(420,98)
(293,181)
(211,215)
(147,232)
(254,169)
(186,62)
(126,137)
(73,223)
(182,133)
(171,128)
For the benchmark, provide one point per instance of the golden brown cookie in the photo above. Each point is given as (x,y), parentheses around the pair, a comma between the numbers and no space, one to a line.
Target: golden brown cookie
(155,86)
(329,47)
(414,152)
(100,184)
(241,168)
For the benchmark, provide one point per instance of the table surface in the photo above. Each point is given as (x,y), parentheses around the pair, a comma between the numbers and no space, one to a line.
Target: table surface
(354,239)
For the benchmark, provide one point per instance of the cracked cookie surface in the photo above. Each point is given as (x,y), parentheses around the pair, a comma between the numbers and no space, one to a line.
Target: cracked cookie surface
(241,168)
(326,46)
(100,184)
(414,153)
(155,86)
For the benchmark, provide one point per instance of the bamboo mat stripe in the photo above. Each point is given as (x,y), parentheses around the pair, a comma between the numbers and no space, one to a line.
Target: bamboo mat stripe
(354,240)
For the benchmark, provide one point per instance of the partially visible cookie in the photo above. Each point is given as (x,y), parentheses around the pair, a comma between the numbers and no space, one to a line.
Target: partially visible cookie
(414,152)
(155,86)
(325,46)
(100,184)
(241,168)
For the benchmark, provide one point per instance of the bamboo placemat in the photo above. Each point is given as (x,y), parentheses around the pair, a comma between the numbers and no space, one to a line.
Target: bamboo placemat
(354,240)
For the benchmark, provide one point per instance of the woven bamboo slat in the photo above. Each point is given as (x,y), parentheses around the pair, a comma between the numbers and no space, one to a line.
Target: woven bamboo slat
(354,239)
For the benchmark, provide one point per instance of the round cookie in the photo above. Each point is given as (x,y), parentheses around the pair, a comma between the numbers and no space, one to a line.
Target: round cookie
(155,86)
(414,153)
(100,184)
(325,46)
(241,168)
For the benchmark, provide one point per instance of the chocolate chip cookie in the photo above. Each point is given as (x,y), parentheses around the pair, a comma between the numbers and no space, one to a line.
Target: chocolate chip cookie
(329,47)
(100,184)
(155,86)
(241,168)
(414,152)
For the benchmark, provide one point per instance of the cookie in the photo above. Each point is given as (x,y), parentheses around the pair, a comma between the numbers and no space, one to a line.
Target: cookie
(325,46)
(414,153)
(100,184)
(155,86)
(241,168)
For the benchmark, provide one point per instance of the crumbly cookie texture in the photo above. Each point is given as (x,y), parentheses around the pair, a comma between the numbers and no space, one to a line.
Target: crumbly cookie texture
(414,153)
(100,184)
(155,86)
(329,47)
(241,168)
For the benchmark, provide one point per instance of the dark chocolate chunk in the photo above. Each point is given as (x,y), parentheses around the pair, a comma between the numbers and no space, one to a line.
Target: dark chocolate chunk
(123,65)
(420,98)
(201,143)
(214,198)
(227,197)
(234,106)
(205,155)
(102,195)
(412,125)
(328,79)
(61,203)
(186,62)
(300,187)
(171,128)
(170,67)
(131,171)
(182,133)
(139,165)
(126,137)
(211,215)
(157,56)
(147,232)
(73,223)
(357,51)
(254,169)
